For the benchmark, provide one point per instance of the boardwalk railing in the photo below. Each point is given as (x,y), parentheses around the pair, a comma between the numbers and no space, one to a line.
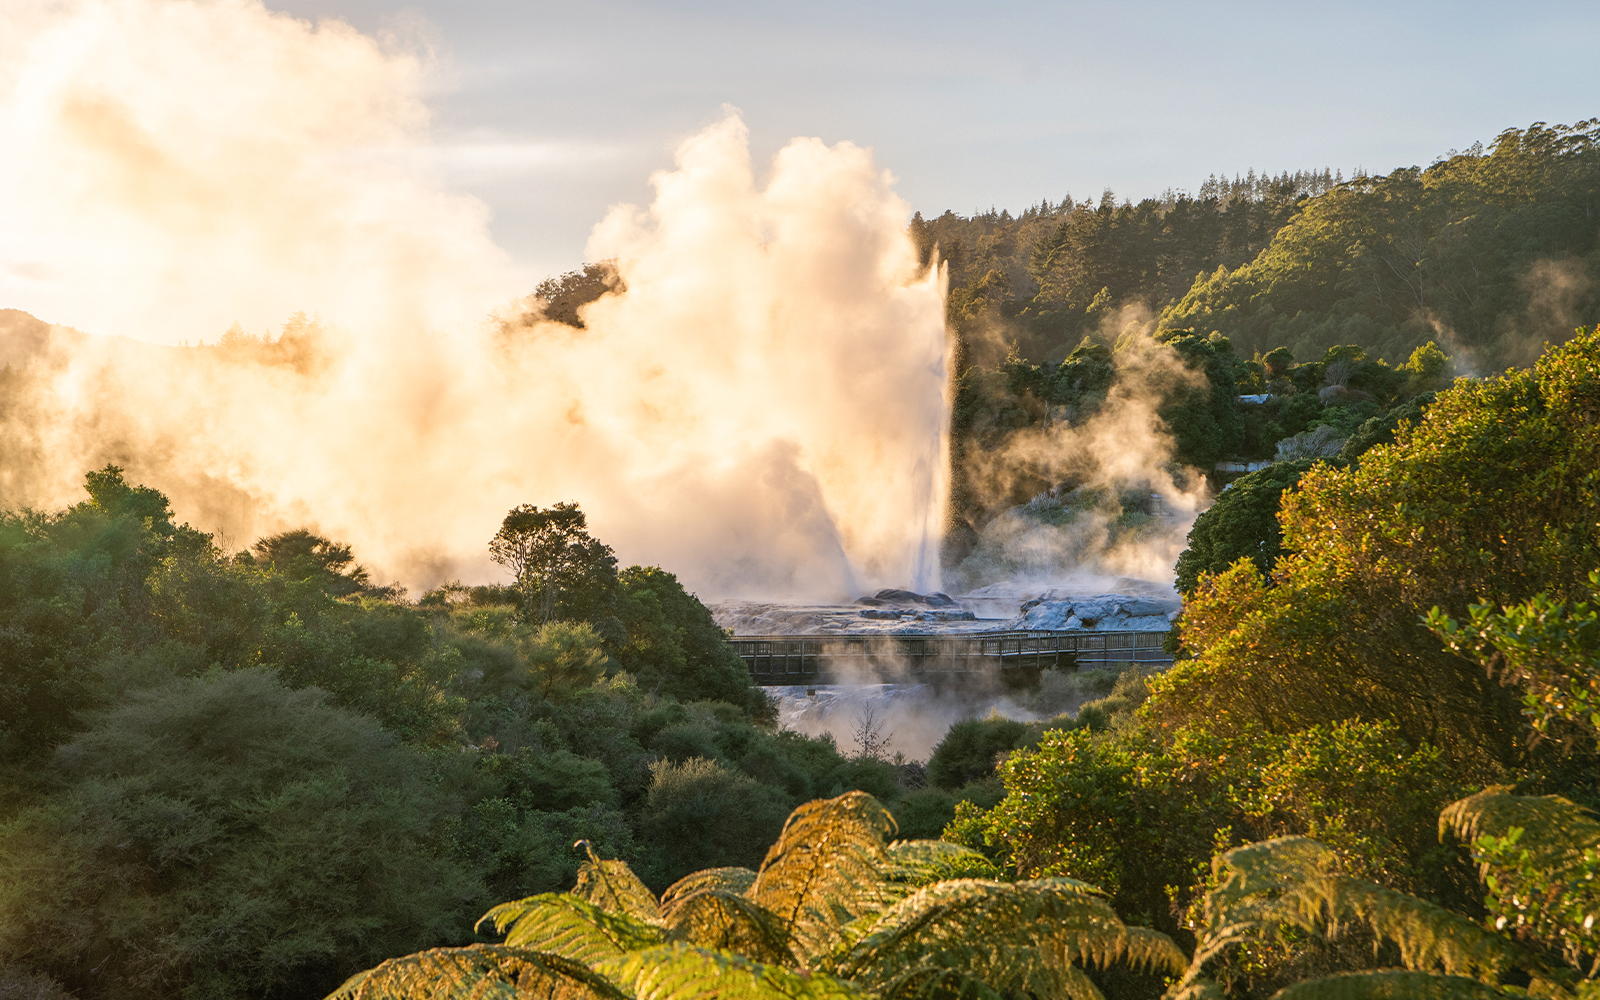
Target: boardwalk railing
(843,659)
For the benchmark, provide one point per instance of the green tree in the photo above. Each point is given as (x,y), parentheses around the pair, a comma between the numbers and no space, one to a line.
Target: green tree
(674,647)
(1494,492)
(563,572)
(1549,649)
(301,556)
(971,749)
(1242,524)
(74,592)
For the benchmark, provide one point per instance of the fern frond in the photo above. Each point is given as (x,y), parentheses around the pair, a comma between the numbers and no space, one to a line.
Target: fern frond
(683,972)
(928,981)
(716,918)
(825,868)
(1289,882)
(1249,901)
(563,924)
(924,982)
(726,879)
(1151,949)
(478,972)
(1198,988)
(1014,937)
(612,885)
(1394,984)
(1428,936)
(1556,831)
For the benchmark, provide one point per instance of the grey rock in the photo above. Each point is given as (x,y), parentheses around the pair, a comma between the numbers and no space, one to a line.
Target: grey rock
(1146,606)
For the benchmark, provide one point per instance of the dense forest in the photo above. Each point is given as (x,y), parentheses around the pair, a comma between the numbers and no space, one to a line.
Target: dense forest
(1371,771)
(1334,300)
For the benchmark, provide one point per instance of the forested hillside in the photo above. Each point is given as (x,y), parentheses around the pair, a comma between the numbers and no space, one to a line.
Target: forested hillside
(1490,251)
(1332,300)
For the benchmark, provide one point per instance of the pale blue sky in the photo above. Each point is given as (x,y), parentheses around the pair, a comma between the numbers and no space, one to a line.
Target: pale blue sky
(550,112)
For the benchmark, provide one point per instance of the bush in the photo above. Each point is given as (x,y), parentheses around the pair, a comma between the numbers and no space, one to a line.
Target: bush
(701,814)
(924,813)
(673,645)
(227,837)
(563,657)
(970,750)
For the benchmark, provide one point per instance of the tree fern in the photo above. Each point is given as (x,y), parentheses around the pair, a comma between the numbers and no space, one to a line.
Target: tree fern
(612,885)
(726,879)
(825,868)
(1391,984)
(478,972)
(1540,858)
(1013,937)
(1265,888)
(831,913)
(682,972)
(1557,832)
(575,929)
(717,918)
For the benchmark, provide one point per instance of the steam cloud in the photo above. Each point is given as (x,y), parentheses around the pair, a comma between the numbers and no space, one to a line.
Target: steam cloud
(762,410)
(1124,445)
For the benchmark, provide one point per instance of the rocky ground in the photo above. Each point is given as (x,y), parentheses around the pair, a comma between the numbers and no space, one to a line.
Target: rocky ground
(1087,603)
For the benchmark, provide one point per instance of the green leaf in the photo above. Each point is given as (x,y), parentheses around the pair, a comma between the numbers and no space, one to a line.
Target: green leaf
(683,972)
(563,924)
(478,972)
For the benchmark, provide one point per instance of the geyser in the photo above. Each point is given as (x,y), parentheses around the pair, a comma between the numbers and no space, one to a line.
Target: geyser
(763,409)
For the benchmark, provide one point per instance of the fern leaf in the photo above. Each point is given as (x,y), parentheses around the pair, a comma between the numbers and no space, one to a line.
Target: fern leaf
(726,879)
(1428,936)
(1399,984)
(1014,937)
(825,868)
(1265,887)
(478,972)
(1198,988)
(1556,831)
(728,921)
(563,924)
(683,972)
(928,981)
(1151,949)
(612,885)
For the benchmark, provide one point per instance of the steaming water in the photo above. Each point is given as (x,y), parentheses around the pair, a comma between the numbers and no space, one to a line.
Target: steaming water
(914,717)
(762,411)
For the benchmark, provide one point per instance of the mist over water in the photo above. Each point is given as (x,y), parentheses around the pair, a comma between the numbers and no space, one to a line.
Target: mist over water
(763,411)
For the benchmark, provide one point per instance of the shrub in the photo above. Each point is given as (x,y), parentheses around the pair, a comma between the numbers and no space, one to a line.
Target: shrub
(970,750)
(224,836)
(701,813)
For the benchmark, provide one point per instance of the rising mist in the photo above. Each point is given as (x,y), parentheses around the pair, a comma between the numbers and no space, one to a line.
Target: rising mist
(763,410)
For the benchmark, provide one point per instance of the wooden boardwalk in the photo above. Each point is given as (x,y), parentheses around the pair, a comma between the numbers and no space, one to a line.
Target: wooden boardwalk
(872,658)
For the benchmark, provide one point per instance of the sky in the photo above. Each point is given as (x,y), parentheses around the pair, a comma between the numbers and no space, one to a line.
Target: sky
(551,112)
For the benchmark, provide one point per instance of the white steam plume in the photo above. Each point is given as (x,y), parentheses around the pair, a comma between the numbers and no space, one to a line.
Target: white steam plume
(762,411)
(1124,445)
